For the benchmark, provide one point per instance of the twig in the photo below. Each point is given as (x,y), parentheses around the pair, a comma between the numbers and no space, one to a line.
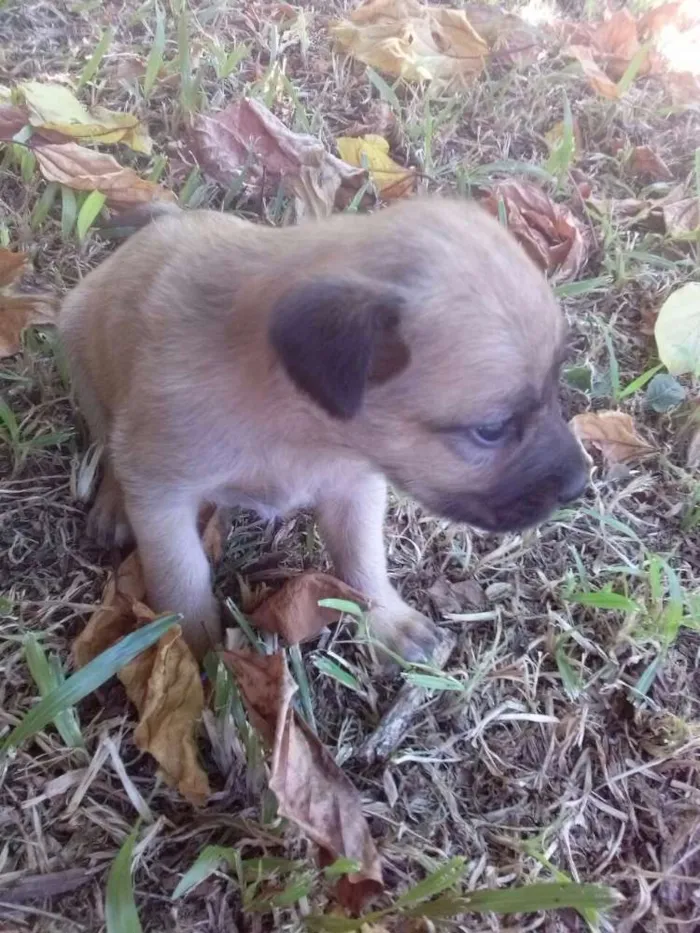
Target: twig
(395,723)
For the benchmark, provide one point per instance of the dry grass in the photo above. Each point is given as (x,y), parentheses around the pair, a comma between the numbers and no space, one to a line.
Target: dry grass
(524,762)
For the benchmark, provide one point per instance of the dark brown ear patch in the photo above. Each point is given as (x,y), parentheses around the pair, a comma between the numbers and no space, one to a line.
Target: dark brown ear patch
(336,337)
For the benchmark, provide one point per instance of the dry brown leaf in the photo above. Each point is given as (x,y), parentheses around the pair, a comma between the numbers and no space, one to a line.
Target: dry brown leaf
(616,42)
(12,265)
(683,88)
(293,611)
(163,682)
(613,433)
(597,78)
(19,311)
(165,686)
(453,597)
(12,120)
(311,789)
(87,170)
(416,42)
(246,135)
(648,163)
(548,232)
(682,218)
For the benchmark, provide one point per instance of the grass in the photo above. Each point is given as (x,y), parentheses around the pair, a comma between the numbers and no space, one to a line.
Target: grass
(560,743)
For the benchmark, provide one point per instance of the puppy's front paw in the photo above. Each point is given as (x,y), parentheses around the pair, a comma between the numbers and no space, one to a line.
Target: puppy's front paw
(107,522)
(404,631)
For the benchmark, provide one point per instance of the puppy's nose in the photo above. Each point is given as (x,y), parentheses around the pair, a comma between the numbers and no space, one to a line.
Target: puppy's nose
(573,485)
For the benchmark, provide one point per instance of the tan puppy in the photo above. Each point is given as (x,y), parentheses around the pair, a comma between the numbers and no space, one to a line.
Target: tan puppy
(298,367)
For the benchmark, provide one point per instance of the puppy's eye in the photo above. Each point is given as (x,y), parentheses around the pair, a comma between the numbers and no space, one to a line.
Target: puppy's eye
(491,434)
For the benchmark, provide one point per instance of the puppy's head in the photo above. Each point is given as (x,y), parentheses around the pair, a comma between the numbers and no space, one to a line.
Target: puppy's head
(434,345)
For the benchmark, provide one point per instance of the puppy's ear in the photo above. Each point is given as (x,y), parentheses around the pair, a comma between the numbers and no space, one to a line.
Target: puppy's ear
(337,337)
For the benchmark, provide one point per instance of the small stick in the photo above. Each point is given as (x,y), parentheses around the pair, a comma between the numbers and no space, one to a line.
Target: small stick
(395,723)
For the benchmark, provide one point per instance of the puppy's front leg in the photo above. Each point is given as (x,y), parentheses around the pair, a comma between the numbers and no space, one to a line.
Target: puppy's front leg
(352,522)
(176,569)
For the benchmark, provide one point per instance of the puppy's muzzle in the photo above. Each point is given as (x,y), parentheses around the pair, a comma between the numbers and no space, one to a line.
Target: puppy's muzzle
(550,472)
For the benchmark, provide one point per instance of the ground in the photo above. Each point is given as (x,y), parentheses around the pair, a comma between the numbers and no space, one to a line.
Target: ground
(552,750)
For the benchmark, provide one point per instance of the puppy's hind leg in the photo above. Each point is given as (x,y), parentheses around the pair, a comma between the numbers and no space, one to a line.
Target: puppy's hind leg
(176,569)
(107,520)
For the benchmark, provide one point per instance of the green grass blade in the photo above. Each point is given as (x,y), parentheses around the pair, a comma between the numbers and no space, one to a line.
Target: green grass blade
(445,877)
(325,666)
(342,605)
(49,677)
(640,381)
(92,205)
(43,206)
(582,287)
(95,60)
(121,915)
(207,862)
(89,678)
(155,56)
(542,896)
(632,70)
(306,702)
(602,600)
(69,211)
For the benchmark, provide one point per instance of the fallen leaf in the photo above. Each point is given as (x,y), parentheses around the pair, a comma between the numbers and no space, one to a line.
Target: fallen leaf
(682,218)
(597,78)
(613,433)
(166,688)
(20,311)
(548,232)
(683,88)
(454,597)
(12,120)
(616,42)
(646,162)
(293,611)
(12,265)
(87,170)
(311,789)
(412,41)
(247,136)
(56,112)
(677,330)
(392,180)
(163,682)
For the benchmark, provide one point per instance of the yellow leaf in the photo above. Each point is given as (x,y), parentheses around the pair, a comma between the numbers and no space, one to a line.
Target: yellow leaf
(54,109)
(677,331)
(391,179)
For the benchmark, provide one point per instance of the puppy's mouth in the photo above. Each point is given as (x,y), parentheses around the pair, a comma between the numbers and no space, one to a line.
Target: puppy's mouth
(518,515)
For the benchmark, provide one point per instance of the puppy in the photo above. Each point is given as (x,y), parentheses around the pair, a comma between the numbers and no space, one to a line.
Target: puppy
(277,369)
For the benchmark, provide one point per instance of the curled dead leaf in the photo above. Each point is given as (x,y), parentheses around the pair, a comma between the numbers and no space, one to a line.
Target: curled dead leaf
(613,433)
(597,78)
(163,682)
(87,170)
(548,232)
(246,136)
(311,790)
(682,218)
(293,611)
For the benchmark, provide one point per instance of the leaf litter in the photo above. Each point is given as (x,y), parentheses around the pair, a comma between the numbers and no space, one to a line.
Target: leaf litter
(550,233)
(311,790)
(246,137)
(19,311)
(163,683)
(614,433)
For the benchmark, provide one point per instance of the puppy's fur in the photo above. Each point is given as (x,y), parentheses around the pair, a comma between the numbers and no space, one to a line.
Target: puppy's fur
(299,367)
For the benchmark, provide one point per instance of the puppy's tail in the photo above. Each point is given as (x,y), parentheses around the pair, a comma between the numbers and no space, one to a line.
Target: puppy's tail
(120,226)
